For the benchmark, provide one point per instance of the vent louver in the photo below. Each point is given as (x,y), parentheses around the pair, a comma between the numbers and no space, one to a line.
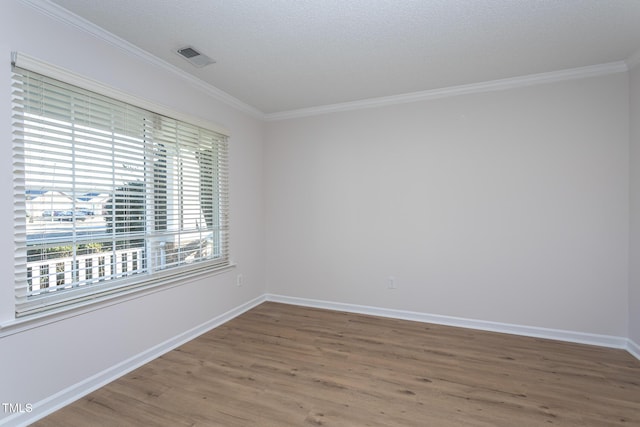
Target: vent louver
(196,58)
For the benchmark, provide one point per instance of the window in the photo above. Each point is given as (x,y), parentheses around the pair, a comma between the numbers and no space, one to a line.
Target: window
(109,196)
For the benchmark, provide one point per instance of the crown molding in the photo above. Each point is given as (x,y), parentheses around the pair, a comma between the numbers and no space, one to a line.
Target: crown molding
(55,11)
(59,13)
(634,60)
(493,85)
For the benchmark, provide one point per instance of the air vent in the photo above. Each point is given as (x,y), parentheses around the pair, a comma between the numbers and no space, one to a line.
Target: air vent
(196,58)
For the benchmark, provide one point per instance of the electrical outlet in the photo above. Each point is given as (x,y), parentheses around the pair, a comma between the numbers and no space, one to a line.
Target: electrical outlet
(239,280)
(391,283)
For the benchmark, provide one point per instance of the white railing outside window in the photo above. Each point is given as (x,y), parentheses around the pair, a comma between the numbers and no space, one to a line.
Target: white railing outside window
(65,273)
(109,196)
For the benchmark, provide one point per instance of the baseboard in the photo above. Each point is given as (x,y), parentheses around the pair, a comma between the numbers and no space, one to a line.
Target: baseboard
(633,348)
(76,391)
(530,331)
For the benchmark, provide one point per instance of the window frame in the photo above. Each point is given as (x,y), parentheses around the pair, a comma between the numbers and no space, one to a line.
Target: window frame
(123,288)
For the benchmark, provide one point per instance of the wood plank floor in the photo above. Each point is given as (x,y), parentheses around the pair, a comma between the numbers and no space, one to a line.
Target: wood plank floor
(283,365)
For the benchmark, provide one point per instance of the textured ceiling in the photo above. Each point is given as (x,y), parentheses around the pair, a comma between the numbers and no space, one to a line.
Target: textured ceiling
(281,55)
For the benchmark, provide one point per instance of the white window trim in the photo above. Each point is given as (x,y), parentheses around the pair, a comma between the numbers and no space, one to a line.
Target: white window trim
(25,61)
(21,324)
(157,283)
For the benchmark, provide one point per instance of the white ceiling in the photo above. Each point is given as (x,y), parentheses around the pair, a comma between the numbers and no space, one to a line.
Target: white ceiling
(283,55)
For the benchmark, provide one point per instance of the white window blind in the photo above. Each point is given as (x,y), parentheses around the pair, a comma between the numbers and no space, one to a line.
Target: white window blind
(109,196)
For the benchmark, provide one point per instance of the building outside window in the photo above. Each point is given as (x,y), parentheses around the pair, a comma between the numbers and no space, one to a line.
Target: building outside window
(109,196)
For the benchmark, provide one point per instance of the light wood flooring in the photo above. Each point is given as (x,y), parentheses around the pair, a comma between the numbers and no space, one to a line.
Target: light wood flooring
(283,365)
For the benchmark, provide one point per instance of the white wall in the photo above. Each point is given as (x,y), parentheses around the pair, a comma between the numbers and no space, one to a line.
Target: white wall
(38,363)
(634,282)
(510,206)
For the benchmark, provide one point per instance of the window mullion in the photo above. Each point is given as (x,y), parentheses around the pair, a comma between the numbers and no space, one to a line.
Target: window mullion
(74,229)
(150,209)
(142,193)
(114,203)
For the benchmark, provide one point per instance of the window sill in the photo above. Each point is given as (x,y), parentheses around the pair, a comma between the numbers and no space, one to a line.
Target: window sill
(37,320)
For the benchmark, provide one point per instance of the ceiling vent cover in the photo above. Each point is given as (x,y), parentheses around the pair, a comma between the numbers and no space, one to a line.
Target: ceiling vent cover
(196,58)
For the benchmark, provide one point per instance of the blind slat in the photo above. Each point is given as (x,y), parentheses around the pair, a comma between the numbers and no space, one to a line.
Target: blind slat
(108,196)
